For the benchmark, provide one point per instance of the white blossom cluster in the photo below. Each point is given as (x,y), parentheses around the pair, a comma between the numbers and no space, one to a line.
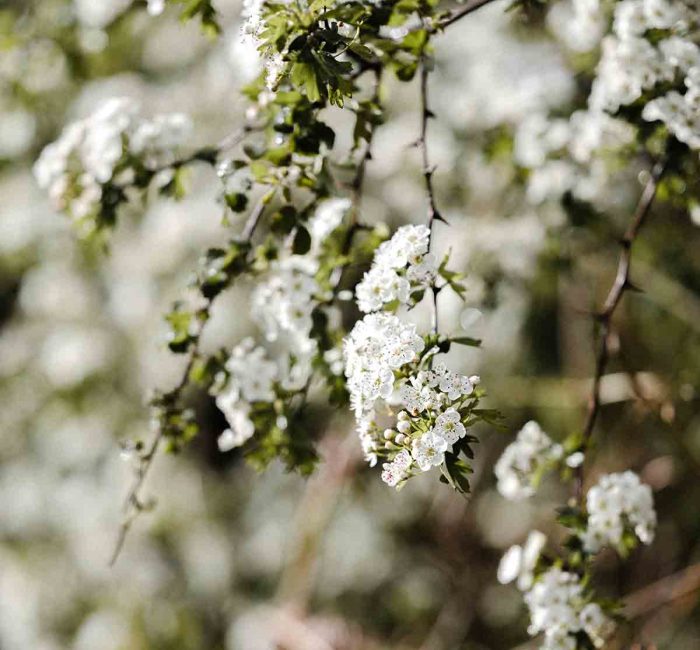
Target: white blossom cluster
(619,503)
(401,266)
(652,46)
(254,377)
(630,64)
(581,23)
(253,25)
(680,113)
(558,609)
(523,462)
(282,303)
(378,345)
(379,353)
(558,606)
(287,294)
(430,424)
(567,155)
(284,300)
(106,147)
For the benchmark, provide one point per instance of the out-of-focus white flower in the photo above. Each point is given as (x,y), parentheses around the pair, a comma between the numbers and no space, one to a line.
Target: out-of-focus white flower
(617,503)
(74,168)
(519,468)
(17,130)
(99,13)
(518,563)
(156,7)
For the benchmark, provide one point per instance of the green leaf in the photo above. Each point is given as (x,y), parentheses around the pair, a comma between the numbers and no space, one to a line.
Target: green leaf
(456,472)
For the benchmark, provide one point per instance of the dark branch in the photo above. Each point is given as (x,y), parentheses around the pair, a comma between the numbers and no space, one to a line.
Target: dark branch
(428,171)
(604,318)
(133,504)
(458,14)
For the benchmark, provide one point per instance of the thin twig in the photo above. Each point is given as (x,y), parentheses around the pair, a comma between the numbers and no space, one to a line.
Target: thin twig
(133,504)
(207,154)
(428,172)
(604,318)
(458,14)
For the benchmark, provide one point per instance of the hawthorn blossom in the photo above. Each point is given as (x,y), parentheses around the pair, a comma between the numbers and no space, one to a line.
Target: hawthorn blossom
(285,298)
(596,624)
(401,266)
(378,344)
(106,148)
(519,468)
(555,602)
(619,503)
(448,425)
(395,471)
(519,562)
(251,373)
(429,450)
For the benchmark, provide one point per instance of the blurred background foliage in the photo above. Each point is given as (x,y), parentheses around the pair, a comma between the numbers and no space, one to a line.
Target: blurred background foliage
(229,559)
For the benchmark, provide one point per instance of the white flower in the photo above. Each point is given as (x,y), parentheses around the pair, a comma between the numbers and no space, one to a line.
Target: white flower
(575,460)
(596,624)
(449,426)
(520,562)
(661,14)
(397,470)
(617,503)
(408,242)
(555,601)
(328,216)
(86,155)
(429,450)
(519,467)
(236,413)
(377,345)
(423,271)
(369,435)
(284,300)
(509,566)
(251,374)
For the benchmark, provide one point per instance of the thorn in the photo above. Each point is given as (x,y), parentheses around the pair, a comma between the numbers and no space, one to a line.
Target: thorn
(416,143)
(438,217)
(428,113)
(628,286)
